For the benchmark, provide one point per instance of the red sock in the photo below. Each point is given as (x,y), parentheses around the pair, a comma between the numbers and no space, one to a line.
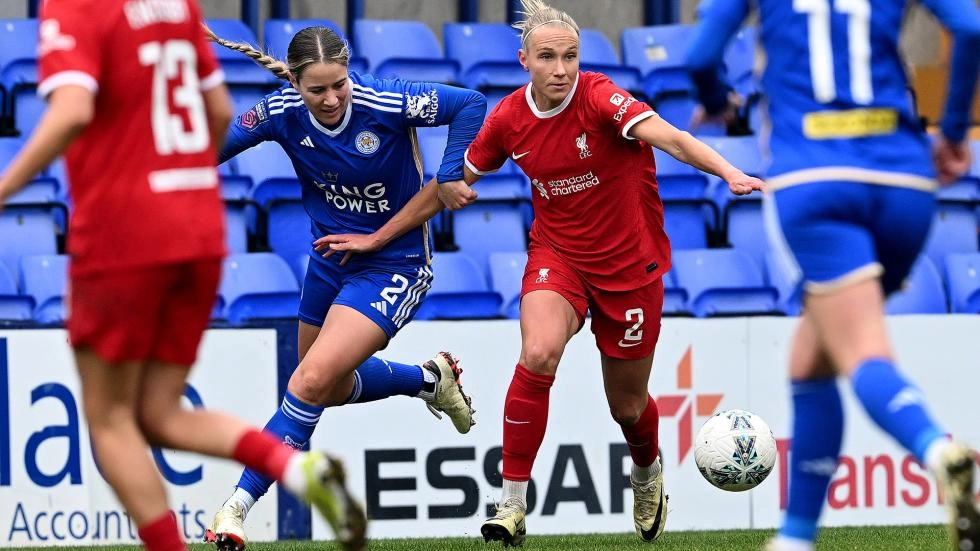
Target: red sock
(263,453)
(162,534)
(642,438)
(525,418)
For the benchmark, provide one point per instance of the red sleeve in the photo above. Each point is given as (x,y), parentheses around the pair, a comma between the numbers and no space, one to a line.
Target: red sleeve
(69,46)
(208,68)
(486,152)
(616,106)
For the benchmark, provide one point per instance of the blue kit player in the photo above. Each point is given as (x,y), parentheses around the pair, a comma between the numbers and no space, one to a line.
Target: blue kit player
(849,207)
(351,139)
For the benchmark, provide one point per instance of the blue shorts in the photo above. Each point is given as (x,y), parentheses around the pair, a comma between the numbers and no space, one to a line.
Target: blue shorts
(827,234)
(390,297)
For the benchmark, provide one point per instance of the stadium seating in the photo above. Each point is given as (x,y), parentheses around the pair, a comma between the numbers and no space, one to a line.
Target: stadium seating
(240,70)
(954,230)
(403,49)
(922,293)
(257,286)
(723,282)
(675,297)
(963,273)
(45,278)
(744,227)
(27,232)
(18,70)
(659,54)
(506,274)
(267,165)
(279,32)
(459,290)
(14,307)
(288,233)
(486,53)
(487,227)
(597,54)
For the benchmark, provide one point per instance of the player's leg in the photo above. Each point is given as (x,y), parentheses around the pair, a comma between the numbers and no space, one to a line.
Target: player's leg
(853,330)
(553,306)
(817,433)
(111,329)
(627,327)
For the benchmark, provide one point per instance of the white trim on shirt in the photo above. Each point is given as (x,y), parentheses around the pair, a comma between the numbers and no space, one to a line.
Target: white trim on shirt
(632,122)
(215,79)
(57,80)
(556,110)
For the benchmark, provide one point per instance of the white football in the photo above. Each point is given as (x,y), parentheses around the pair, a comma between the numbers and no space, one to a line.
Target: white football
(735,450)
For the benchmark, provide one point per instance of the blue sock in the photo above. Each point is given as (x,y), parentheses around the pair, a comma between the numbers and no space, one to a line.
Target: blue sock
(376,379)
(895,405)
(294,421)
(818,429)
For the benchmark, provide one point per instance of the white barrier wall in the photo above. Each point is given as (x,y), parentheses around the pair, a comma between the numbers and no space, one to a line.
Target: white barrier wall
(421,478)
(51,492)
(411,468)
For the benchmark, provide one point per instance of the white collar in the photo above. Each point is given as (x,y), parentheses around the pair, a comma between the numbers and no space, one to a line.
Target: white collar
(554,110)
(343,124)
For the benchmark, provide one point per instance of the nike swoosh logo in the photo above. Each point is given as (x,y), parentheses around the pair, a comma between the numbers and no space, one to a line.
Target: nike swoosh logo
(515,156)
(624,345)
(513,422)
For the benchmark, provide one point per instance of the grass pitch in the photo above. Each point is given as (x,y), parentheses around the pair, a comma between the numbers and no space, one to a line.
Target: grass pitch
(877,538)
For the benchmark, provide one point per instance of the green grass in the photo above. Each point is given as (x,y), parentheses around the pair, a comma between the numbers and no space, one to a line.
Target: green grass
(877,538)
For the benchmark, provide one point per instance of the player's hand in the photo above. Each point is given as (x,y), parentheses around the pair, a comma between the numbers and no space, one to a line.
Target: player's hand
(743,184)
(349,243)
(952,160)
(456,194)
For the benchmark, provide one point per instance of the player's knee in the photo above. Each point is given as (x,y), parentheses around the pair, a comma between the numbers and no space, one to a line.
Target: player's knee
(153,424)
(540,357)
(626,413)
(310,384)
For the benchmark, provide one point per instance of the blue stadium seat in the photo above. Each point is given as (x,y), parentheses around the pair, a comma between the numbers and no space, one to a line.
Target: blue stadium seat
(486,53)
(506,274)
(403,49)
(268,165)
(18,71)
(236,227)
(258,285)
(787,287)
(26,108)
(677,180)
(288,233)
(963,273)
(954,230)
(45,277)
(279,32)
(26,232)
(486,227)
(659,54)
(744,228)
(459,290)
(14,307)
(597,54)
(744,153)
(685,223)
(723,282)
(239,69)
(922,293)
(675,297)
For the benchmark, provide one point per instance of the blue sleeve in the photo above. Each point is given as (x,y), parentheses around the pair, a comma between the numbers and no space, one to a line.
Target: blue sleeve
(463,110)
(248,129)
(962,19)
(720,20)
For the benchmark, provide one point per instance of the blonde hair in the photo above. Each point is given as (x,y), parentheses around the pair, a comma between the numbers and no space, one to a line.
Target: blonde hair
(308,46)
(538,14)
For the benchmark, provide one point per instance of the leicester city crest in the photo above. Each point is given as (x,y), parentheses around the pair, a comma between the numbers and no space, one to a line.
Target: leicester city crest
(367,142)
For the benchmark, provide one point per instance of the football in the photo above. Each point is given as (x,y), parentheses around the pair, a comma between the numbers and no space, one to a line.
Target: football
(735,450)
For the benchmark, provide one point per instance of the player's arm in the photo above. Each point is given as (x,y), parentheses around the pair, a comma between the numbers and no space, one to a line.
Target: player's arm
(719,21)
(218,106)
(962,18)
(70,110)
(687,149)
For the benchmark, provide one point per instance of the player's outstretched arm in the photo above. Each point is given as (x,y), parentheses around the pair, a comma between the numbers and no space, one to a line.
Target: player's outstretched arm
(70,110)
(687,149)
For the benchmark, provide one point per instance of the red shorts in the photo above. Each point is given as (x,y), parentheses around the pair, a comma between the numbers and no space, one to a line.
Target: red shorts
(626,324)
(145,313)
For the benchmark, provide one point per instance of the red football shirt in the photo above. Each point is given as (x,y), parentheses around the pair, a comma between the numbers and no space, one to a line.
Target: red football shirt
(142,176)
(595,193)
